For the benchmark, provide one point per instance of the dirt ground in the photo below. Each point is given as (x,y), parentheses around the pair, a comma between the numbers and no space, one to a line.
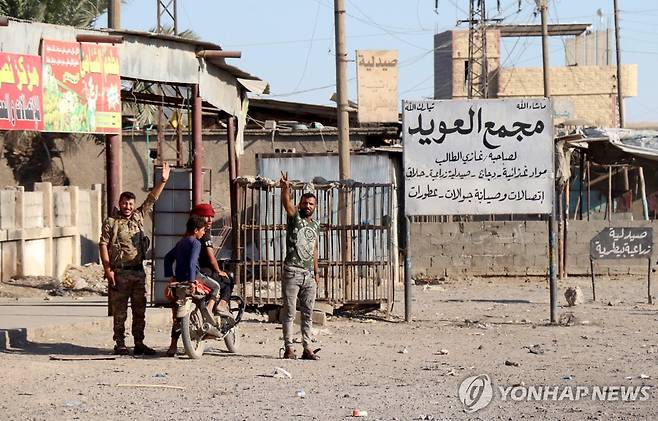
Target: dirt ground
(391,369)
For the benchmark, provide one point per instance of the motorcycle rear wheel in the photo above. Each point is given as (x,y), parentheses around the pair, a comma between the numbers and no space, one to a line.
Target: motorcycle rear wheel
(192,334)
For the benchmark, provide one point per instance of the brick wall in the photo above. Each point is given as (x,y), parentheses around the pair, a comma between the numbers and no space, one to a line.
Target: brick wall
(509,248)
(596,86)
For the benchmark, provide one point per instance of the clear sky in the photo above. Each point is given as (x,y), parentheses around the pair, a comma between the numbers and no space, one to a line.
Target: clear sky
(290,43)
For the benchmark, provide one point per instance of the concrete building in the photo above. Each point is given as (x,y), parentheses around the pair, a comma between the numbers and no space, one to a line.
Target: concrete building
(582,92)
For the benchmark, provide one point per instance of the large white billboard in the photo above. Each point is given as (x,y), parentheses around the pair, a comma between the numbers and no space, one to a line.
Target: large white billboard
(470,157)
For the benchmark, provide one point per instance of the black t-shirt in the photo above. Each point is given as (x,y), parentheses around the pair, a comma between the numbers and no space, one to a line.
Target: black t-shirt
(206,243)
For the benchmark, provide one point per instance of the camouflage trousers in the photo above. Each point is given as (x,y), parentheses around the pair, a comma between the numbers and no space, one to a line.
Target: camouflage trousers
(129,285)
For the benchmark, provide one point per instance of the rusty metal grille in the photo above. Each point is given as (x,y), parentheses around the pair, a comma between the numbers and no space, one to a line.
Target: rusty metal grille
(366,278)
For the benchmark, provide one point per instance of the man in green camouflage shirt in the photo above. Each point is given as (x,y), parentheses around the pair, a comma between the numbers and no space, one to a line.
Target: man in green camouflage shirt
(123,246)
(300,271)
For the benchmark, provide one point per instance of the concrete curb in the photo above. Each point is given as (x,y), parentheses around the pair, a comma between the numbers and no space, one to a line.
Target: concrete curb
(22,337)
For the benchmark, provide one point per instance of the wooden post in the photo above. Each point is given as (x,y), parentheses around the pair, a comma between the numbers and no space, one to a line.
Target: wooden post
(582,184)
(609,207)
(560,234)
(589,189)
(649,298)
(591,266)
(643,192)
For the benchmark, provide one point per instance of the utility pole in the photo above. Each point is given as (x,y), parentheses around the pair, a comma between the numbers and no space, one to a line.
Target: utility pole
(344,168)
(341,86)
(477,71)
(552,232)
(478,74)
(114,14)
(113,141)
(167,8)
(620,98)
(112,146)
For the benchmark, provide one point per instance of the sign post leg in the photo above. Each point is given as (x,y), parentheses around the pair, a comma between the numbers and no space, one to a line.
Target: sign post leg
(552,264)
(591,266)
(407,270)
(649,299)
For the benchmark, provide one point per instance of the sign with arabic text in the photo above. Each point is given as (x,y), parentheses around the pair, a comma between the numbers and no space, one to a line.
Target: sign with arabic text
(470,157)
(377,86)
(82,87)
(21,105)
(622,243)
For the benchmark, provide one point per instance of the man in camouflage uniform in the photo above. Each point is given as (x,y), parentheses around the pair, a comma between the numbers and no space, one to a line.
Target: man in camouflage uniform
(122,249)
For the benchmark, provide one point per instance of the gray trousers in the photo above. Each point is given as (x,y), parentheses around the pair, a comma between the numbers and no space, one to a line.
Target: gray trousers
(299,284)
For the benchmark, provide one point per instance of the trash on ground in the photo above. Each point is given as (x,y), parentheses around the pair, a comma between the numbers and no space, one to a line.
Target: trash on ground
(281,373)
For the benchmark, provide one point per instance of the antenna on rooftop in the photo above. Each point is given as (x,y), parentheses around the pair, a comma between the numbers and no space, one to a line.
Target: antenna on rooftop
(167,11)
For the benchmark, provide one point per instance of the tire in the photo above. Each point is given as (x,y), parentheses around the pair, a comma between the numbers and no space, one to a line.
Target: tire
(192,334)
(231,340)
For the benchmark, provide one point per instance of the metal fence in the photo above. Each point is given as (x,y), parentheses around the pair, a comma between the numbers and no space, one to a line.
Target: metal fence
(365,278)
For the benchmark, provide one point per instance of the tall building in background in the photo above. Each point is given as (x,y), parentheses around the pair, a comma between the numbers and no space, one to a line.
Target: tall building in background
(585,89)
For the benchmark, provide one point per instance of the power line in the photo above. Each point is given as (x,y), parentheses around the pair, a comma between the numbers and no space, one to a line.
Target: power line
(308,51)
(301,41)
(372,22)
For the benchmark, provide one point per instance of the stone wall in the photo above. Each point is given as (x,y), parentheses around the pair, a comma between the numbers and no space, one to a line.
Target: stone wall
(44,231)
(596,88)
(510,248)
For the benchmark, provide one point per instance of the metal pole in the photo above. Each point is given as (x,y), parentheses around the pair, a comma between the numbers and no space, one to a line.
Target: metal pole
(113,170)
(620,98)
(179,138)
(175,17)
(591,268)
(233,189)
(643,192)
(544,46)
(197,147)
(159,12)
(112,145)
(341,86)
(649,298)
(582,184)
(609,207)
(113,141)
(589,188)
(114,14)
(407,269)
(161,134)
(552,235)
(344,169)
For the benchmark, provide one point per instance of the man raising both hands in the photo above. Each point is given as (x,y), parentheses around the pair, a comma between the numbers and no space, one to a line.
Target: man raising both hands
(300,268)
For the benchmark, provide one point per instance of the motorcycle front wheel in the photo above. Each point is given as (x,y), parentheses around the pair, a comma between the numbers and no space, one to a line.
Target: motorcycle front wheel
(193,334)
(231,340)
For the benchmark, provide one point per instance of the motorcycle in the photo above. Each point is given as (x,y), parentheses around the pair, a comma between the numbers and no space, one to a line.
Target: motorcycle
(198,326)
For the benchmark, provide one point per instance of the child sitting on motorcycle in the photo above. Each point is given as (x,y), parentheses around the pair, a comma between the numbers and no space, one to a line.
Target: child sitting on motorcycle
(186,256)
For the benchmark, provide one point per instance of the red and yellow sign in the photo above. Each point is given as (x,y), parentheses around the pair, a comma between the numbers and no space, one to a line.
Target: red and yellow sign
(82,87)
(21,105)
